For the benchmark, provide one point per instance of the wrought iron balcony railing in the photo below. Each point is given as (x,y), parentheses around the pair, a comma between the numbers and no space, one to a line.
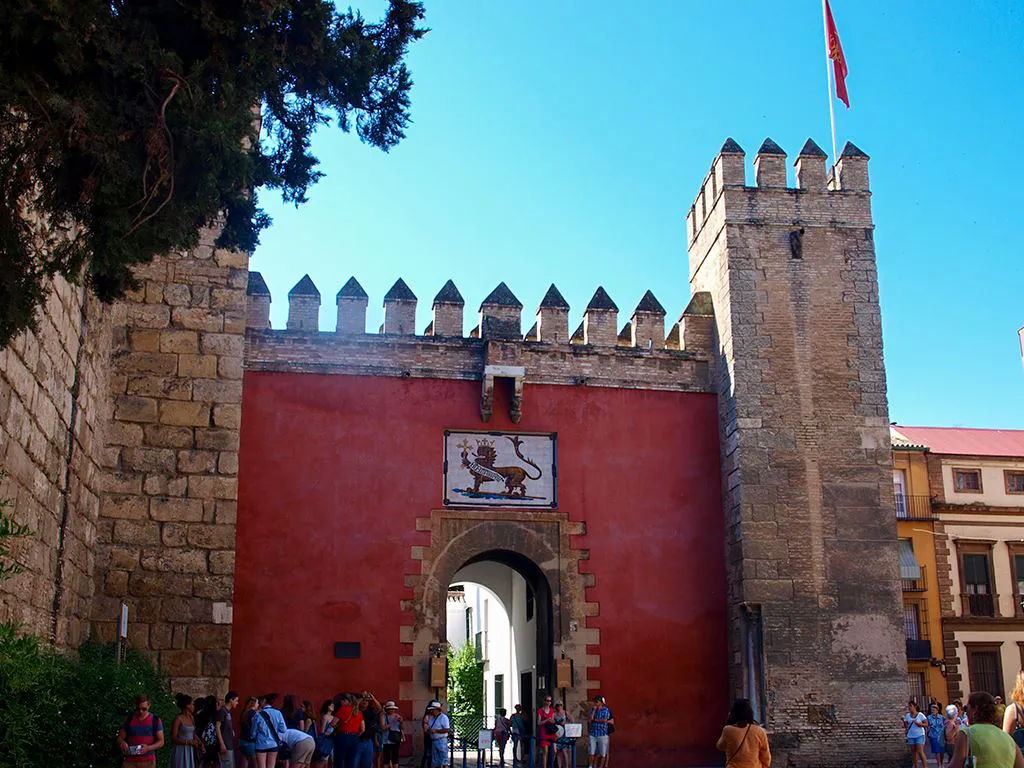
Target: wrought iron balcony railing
(913,507)
(916,585)
(979,605)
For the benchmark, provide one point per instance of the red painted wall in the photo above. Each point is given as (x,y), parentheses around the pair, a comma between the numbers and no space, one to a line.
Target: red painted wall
(335,469)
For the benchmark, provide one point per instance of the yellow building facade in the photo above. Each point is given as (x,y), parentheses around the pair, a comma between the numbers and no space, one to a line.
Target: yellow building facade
(915,528)
(975,485)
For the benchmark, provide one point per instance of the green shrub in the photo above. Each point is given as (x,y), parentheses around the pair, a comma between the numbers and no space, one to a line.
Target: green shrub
(66,710)
(465,691)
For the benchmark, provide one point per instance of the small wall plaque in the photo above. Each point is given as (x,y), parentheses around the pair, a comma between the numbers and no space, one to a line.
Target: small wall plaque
(346,650)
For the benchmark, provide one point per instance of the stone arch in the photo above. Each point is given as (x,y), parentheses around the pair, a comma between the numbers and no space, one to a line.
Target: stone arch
(539,543)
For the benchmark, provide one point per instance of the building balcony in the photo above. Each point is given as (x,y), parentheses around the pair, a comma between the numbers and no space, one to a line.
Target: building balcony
(916,585)
(913,507)
(979,605)
(919,650)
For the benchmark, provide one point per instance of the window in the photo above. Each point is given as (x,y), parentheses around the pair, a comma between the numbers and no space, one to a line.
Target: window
(1016,550)
(469,623)
(915,686)
(912,622)
(976,581)
(899,488)
(909,568)
(1014,481)
(984,669)
(499,691)
(967,480)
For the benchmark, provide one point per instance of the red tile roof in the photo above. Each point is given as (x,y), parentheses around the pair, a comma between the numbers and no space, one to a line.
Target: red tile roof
(967,442)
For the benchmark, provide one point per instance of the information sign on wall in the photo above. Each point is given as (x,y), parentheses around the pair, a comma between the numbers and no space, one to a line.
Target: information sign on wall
(500,469)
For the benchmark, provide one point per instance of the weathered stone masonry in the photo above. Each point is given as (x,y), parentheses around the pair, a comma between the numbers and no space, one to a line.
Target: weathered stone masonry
(167,520)
(53,414)
(815,607)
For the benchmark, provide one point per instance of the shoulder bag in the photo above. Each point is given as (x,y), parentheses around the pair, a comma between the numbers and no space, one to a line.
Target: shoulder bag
(611,726)
(740,746)
(270,725)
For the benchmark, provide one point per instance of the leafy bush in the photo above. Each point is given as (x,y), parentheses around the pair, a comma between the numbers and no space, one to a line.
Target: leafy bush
(66,710)
(465,691)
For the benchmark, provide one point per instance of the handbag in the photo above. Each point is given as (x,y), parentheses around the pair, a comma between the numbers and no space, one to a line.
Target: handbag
(611,726)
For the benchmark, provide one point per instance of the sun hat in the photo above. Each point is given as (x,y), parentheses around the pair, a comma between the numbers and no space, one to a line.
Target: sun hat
(435,704)
(390,705)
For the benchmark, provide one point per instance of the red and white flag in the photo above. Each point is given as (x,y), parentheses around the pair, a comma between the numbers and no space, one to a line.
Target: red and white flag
(834,50)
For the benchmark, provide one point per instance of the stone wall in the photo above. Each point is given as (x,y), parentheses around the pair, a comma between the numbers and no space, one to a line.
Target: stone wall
(167,518)
(814,602)
(53,410)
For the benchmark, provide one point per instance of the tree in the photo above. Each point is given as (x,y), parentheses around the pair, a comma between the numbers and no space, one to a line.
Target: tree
(465,690)
(128,127)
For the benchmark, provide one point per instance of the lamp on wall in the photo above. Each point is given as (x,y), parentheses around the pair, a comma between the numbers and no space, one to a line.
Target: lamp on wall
(940,664)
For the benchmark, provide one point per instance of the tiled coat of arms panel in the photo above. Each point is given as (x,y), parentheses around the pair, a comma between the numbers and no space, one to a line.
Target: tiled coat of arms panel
(500,469)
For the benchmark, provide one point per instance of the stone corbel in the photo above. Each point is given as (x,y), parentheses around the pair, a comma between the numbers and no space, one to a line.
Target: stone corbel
(491,372)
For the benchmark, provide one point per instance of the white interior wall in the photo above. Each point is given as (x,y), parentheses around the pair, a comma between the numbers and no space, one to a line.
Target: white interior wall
(511,640)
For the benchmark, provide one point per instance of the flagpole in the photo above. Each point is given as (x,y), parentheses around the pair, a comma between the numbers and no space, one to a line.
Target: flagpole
(828,81)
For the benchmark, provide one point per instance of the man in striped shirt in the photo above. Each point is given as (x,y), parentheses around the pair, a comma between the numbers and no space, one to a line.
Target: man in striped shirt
(141,735)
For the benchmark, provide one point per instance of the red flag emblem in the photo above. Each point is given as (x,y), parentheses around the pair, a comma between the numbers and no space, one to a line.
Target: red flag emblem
(834,49)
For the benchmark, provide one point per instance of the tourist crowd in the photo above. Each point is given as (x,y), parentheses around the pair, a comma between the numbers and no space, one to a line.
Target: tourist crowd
(347,731)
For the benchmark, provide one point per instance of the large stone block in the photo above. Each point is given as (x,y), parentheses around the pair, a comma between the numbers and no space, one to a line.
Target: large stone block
(212,536)
(209,637)
(181,663)
(177,510)
(189,414)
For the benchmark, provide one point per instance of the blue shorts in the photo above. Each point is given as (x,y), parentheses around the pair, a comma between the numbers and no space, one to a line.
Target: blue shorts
(912,740)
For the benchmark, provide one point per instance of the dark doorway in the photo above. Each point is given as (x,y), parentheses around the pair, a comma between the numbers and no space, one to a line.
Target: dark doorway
(526,689)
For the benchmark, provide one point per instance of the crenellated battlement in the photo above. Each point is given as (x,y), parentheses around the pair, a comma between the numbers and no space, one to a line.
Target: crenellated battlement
(638,355)
(500,316)
(818,198)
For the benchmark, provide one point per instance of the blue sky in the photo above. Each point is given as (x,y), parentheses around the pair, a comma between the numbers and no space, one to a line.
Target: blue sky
(564,142)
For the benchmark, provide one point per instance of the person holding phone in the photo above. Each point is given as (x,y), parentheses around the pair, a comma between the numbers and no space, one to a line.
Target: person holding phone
(141,735)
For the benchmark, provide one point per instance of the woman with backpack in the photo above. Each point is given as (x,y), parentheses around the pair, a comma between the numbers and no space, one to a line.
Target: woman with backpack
(206,730)
(1013,717)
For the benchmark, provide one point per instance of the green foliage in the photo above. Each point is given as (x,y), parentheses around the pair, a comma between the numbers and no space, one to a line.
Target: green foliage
(465,691)
(66,710)
(9,529)
(127,127)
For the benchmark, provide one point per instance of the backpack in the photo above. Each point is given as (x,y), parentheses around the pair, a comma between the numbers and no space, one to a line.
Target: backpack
(209,735)
(1018,731)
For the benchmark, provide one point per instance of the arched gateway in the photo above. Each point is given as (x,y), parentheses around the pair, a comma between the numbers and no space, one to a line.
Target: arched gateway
(535,544)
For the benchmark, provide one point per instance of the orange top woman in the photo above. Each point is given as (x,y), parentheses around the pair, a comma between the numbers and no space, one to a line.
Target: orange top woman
(743,741)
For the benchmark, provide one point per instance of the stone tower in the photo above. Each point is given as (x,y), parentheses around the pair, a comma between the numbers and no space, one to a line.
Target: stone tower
(815,613)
